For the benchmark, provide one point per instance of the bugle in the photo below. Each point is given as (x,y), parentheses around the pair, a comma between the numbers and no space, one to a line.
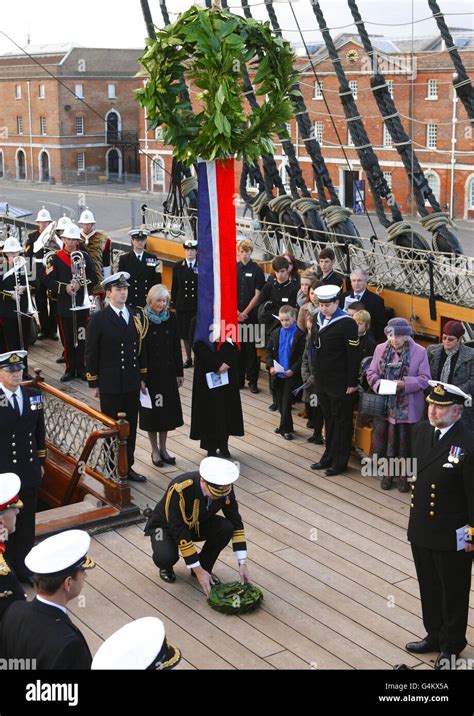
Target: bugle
(19,266)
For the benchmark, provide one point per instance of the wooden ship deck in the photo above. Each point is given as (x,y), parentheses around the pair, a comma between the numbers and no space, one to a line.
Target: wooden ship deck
(330,555)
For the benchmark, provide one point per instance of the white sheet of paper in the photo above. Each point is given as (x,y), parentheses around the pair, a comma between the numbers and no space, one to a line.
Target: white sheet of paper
(279,368)
(217,380)
(348,300)
(145,400)
(461,538)
(387,387)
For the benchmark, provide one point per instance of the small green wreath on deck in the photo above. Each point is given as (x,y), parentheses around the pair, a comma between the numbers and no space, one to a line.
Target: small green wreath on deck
(210,49)
(235,598)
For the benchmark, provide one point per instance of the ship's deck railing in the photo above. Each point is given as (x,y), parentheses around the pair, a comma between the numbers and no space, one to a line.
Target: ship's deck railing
(388,266)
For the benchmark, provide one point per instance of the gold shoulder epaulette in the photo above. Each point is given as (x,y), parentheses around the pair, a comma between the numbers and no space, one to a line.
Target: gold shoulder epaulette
(180,486)
(4,568)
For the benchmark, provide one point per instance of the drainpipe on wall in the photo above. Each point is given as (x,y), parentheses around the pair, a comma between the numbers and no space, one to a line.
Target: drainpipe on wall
(31,132)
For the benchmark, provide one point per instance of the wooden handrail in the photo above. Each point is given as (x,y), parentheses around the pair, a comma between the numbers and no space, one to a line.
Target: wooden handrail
(86,451)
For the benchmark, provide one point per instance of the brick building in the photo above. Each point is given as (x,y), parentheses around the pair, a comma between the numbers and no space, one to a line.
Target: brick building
(420,78)
(80,127)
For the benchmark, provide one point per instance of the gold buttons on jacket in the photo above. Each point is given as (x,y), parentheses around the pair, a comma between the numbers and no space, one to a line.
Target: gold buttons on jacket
(433,487)
(431,514)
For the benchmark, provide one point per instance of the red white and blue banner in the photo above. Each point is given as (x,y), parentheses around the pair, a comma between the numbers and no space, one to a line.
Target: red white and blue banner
(217,277)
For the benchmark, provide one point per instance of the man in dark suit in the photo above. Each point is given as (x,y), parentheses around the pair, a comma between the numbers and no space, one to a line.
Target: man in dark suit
(336,370)
(10,505)
(41,630)
(115,358)
(187,513)
(68,275)
(373,303)
(441,525)
(184,295)
(143,267)
(22,451)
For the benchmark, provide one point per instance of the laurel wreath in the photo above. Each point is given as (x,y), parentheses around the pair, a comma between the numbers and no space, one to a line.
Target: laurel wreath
(209,49)
(235,598)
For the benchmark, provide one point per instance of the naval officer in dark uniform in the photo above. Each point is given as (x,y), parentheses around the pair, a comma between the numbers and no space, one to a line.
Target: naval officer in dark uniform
(22,451)
(184,293)
(143,267)
(115,358)
(336,369)
(10,505)
(187,513)
(441,526)
(42,629)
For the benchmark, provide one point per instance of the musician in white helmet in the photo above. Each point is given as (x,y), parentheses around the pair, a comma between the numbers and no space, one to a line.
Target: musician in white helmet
(16,324)
(34,253)
(99,248)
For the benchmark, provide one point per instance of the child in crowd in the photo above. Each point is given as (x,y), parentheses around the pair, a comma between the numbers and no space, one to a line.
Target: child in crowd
(307,278)
(366,340)
(285,346)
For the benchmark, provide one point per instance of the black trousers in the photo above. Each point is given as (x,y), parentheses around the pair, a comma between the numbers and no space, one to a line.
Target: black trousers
(21,541)
(74,356)
(215,532)
(47,310)
(248,363)
(213,445)
(317,418)
(125,403)
(444,579)
(284,400)
(11,335)
(337,411)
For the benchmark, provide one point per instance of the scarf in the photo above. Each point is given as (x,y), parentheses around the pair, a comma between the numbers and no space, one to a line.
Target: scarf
(398,403)
(446,370)
(157,318)
(284,347)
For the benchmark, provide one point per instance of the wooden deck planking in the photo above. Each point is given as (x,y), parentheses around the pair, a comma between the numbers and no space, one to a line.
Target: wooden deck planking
(326,599)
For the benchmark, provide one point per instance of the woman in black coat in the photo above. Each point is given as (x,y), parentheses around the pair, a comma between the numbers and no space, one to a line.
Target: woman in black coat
(216,413)
(164,377)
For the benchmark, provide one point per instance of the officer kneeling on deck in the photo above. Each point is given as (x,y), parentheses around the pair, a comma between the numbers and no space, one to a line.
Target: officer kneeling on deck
(441,526)
(187,513)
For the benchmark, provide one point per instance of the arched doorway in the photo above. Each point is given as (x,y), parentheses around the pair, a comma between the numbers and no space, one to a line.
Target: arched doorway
(44,168)
(114,165)
(20,164)
(113,127)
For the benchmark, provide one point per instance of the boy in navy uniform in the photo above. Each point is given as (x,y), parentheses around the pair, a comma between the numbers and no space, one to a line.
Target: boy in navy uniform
(115,358)
(336,370)
(22,451)
(143,267)
(441,526)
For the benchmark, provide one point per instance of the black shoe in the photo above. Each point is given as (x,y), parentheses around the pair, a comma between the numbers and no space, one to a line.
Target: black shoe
(318,439)
(446,661)
(386,482)
(310,424)
(168,575)
(425,646)
(41,336)
(156,463)
(273,407)
(253,388)
(188,364)
(277,431)
(288,436)
(135,477)
(225,454)
(61,360)
(168,460)
(53,337)
(403,485)
(68,375)
(319,466)
(331,471)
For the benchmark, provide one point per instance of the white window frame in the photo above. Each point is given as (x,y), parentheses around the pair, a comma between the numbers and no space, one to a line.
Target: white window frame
(353,88)
(318,89)
(390,87)
(431,136)
(435,184)
(470,193)
(79,91)
(41,91)
(17,91)
(388,176)
(42,125)
(159,134)
(158,165)
(432,89)
(17,164)
(387,140)
(112,90)
(19,125)
(80,120)
(81,162)
(350,142)
(319,132)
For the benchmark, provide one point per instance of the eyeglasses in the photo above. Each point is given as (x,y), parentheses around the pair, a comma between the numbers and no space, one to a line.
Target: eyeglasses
(449,338)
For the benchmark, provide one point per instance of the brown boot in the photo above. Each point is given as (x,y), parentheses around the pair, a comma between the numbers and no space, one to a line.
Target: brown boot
(403,484)
(386,483)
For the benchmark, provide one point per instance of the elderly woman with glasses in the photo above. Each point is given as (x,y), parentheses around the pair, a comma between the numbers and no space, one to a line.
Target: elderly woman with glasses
(405,363)
(164,376)
(453,362)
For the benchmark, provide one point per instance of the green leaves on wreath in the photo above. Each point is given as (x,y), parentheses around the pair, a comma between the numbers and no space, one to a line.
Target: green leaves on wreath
(235,598)
(210,49)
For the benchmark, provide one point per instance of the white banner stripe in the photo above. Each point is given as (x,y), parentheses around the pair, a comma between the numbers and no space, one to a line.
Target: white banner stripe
(214,214)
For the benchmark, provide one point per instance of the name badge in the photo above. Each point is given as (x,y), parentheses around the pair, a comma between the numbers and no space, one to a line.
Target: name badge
(285,300)
(249,275)
(151,262)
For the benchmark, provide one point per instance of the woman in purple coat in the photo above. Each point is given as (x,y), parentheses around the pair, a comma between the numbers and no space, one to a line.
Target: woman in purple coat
(402,360)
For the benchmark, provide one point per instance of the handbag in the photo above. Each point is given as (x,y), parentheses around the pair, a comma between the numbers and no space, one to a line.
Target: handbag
(373,404)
